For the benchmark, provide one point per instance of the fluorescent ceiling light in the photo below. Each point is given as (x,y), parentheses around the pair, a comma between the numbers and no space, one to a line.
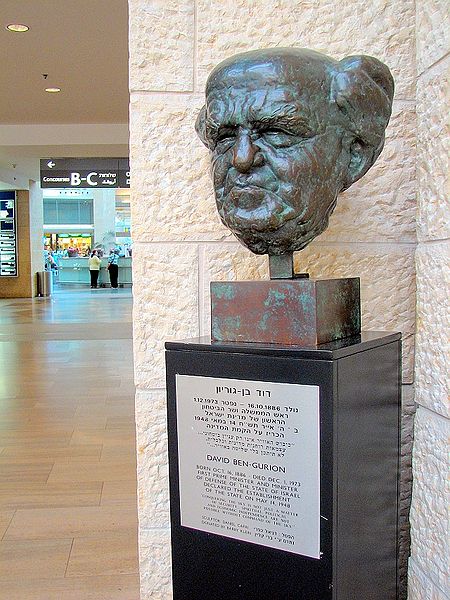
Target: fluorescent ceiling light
(53,90)
(17,27)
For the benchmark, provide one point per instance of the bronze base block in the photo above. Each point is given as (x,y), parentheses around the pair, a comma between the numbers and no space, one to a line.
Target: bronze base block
(286,311)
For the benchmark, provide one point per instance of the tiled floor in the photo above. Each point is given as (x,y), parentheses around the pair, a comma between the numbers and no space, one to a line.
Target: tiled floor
(68,523)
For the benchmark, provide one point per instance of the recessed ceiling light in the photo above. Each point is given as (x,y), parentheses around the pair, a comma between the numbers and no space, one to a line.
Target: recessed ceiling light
(17,27)
(53,90)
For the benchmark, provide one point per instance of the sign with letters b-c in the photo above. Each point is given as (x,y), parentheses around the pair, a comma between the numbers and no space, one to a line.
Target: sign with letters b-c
(100,173)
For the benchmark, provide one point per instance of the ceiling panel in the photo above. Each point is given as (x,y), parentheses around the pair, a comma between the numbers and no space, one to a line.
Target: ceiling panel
(81,44)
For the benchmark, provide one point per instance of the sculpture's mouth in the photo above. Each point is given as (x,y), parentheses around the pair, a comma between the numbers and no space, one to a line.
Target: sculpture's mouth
(247,197)
(254,208)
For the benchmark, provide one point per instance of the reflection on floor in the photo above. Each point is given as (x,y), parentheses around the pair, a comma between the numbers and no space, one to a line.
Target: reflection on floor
(68,524)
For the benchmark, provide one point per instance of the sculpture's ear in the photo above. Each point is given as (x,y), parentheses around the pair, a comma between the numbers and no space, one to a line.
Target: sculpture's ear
(363,89)
(361,159)
(200,126)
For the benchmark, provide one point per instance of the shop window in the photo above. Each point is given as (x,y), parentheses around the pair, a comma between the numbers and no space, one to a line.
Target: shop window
(68,211)
(50,211)
(86,215)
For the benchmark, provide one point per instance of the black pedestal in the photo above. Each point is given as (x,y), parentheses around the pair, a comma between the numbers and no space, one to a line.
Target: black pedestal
(358,383)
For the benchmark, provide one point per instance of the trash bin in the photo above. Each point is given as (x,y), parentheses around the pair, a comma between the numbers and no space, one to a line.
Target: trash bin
(45,283)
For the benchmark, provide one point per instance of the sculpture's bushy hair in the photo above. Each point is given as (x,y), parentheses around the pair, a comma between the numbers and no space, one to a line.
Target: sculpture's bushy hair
(363,90)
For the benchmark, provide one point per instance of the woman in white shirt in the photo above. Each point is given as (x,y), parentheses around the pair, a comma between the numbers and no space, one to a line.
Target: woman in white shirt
(94,268)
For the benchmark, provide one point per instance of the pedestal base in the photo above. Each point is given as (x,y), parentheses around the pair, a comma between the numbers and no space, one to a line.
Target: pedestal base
(283,466)
(285,311)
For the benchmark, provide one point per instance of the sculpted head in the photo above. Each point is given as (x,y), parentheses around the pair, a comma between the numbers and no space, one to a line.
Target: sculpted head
(289,129)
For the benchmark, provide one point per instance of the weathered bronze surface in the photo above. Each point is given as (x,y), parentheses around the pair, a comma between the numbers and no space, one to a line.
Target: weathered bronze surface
(288,130)
(281,266)
(291,312)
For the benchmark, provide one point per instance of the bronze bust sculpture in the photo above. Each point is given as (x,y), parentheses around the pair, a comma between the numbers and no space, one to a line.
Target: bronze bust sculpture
(288,130)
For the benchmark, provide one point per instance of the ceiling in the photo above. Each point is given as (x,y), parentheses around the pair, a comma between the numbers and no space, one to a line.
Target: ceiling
(82,46)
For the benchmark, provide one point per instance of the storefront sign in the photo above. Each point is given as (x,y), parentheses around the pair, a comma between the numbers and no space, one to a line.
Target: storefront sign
(8,235)
(249,461)
(100,173)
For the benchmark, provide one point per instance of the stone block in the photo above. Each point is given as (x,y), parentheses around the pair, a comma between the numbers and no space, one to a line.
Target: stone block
(152,471)
(430,535)
(172,197)
(161,45)
(165,305)
(381,28)
(432,32)
(421,588)
(433,151)
(433,317)
(155,564)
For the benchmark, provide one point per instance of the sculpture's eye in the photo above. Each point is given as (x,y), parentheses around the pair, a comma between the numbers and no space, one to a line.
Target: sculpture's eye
(226,135)
(280,138)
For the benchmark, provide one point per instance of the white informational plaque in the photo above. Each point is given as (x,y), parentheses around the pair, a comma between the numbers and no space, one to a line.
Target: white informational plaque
(249,461)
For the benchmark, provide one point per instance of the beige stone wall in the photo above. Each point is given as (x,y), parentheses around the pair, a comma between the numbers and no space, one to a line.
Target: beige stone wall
(179,243)
(430,551)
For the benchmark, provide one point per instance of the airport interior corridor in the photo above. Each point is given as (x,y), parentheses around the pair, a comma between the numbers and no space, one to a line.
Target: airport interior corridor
(68,518)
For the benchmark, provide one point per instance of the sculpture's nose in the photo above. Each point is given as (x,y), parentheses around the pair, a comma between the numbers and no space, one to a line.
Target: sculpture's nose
(244,152)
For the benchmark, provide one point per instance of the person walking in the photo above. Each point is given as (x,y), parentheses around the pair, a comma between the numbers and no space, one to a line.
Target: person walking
(113,268)
(94,268)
